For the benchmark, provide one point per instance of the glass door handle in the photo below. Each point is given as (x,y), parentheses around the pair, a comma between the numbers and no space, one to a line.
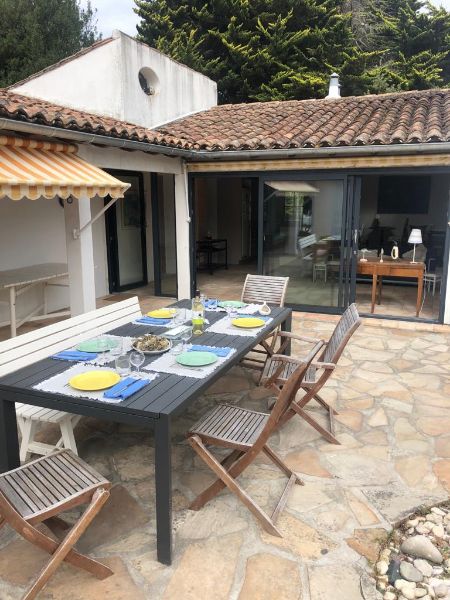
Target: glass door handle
(355,236)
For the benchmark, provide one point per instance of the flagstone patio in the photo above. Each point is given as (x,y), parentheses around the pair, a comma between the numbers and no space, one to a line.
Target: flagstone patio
(392,390)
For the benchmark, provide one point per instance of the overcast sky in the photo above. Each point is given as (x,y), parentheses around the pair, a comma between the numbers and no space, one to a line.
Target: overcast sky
(118,14)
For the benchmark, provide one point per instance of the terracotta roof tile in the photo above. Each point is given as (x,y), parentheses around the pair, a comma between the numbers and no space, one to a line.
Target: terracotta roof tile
(397,118)
(23,108)
(401,118)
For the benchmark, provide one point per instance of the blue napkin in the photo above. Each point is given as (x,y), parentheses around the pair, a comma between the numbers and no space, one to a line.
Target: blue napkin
(152,321)
(225,351)
(211,303)
(125,388)
(74,355)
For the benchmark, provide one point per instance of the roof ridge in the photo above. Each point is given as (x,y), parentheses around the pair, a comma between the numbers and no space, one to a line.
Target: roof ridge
(63,61)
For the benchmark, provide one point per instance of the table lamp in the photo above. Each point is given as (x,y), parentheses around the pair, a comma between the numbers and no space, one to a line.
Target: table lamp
(415,237)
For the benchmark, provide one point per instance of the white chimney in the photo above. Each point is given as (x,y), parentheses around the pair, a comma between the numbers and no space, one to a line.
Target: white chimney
(334,90)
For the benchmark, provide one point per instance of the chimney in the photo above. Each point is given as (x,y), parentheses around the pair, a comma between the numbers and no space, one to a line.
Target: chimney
(334,90)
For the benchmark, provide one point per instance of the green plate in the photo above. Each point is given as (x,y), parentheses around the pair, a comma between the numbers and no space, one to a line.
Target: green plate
(196,359)
(94,345)
(231,304)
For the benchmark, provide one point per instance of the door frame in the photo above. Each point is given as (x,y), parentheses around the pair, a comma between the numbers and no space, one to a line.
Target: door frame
(112,246)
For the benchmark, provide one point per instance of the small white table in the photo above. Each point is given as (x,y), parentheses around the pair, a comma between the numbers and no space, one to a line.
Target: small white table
(19,281)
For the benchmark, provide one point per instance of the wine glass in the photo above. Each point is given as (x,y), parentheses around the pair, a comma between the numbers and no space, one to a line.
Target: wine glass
(123,364)
(137,359)
(186,336)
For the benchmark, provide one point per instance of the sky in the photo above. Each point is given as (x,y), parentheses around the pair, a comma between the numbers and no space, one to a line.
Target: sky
(118,14)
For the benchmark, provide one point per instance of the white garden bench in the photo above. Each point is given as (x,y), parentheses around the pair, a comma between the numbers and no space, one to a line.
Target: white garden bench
(28,348)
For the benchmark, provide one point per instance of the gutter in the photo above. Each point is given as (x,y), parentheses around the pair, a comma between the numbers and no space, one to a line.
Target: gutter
(224,155)
(91,138)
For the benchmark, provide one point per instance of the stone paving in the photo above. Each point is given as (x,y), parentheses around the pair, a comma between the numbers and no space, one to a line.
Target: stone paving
(392,390)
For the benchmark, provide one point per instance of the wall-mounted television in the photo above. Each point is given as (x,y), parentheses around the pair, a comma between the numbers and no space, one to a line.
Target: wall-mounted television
(404,194)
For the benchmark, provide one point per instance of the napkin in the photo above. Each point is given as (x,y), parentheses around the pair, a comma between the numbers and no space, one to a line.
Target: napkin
(125,388)
(225,351)
(211,303)
(151,321)
(74,355)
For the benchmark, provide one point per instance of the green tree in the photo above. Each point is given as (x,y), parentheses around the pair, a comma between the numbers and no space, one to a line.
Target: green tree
(37,33)
(260,49)
(413,38)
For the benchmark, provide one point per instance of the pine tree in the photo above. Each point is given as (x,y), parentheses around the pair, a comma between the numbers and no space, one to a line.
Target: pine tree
(260,49)
(35,34)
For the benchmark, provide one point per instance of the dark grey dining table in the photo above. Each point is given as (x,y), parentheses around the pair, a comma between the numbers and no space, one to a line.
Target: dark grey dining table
(153,406)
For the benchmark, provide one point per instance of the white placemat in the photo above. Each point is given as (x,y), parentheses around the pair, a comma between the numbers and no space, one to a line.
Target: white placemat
(59,384)
(225,326)
(167,364)
(249,309)
(103,358)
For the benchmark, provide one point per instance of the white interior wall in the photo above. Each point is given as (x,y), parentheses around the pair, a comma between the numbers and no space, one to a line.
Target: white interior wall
(149,226)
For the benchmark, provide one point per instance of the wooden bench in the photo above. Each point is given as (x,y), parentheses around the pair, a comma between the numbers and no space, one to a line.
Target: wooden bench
(26,349)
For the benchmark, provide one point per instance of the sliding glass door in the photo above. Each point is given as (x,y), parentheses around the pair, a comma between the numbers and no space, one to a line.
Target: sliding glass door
(307,237)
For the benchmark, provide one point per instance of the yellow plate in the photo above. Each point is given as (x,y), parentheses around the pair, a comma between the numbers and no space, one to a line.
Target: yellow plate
(94,380)
(248,322)
(162,313)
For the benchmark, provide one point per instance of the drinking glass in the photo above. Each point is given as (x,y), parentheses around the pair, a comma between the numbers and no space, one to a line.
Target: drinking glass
(177,347)
(186,336)
(117,350)
(102,344)
(123,364)
(137,358)
(180,316)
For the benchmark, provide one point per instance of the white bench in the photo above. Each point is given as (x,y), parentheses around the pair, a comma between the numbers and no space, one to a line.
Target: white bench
(28,348)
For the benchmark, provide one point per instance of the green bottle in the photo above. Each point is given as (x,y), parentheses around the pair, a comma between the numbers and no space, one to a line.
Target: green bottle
(198,315)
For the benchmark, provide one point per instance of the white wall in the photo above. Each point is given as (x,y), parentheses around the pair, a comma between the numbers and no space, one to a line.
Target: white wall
(105,81)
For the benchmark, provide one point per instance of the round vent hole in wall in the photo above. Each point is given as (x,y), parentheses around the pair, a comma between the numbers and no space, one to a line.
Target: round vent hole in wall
(148,80)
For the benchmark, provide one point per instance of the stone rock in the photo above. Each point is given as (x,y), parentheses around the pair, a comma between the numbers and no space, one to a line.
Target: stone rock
(409,593)
(442,447)
(351,419)
(135,462)
(437,511)
(434,426)
(393,572)
(307,462)
(322,581)
(412,469)
(367,542)
(441,590)
(420,546)
(389,596)
(363,513)
(378,419)
(441,469)
(206,569)
(410,573)
(420,592)
(71,584)
(120,515)
(298,537)
(424,567)
(268,576)
(307,498)
(382,567)
(438,531)
(216,518)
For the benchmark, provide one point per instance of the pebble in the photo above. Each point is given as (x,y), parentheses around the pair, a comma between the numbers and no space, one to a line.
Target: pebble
(382,567)
(424,567)
(429,525)
(389,596)
(438,511)
(420,592)
(410,573)
(441,590)
(412,522)
(420,546)
(421,529)
(409,593)
(438,531)
(385,554)
(447,563)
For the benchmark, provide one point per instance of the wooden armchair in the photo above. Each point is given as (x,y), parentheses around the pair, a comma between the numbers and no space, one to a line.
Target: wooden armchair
(38,492)
(276,373)
(259,289)
(246,433)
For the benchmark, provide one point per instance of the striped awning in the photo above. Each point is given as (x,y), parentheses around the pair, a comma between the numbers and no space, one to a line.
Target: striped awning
(33,168)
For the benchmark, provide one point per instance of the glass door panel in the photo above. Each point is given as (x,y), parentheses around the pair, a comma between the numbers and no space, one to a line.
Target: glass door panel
(303,239)
(125,226)
(164,234)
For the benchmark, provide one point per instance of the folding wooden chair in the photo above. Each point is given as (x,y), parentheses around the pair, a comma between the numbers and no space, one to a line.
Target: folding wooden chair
(277,373)
(259,289)
(246,433)
(40,490)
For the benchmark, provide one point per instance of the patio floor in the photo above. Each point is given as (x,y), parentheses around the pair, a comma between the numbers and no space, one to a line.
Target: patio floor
(392,390)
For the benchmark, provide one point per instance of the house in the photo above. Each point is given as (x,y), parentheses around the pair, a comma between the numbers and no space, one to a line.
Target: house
(294,188)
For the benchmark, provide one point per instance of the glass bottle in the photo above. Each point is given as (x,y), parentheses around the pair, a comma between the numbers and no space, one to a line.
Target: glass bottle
(198,315)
